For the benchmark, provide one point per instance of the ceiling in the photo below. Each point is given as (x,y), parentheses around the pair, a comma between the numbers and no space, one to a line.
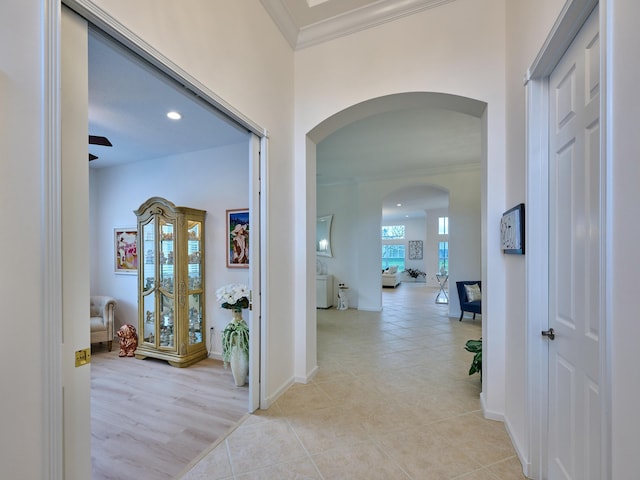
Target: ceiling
(129,99)
(128,104)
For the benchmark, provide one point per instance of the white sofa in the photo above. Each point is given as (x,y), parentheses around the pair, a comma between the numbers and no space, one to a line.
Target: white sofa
(391,277)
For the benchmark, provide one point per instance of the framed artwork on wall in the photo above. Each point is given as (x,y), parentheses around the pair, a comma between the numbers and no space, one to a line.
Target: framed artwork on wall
(415,249)
(125,250)
(238,238)
(512,230)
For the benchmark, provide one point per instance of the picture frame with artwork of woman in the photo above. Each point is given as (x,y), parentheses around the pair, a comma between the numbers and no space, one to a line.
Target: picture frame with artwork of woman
(238,238)
(125,254)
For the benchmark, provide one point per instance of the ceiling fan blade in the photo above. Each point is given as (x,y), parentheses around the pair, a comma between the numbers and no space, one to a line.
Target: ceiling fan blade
(97,140)
(92,156)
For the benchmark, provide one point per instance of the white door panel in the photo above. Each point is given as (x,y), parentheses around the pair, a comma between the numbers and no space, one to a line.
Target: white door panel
(75,245)
(574,260)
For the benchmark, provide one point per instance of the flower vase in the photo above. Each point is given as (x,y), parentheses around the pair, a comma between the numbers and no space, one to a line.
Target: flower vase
(237,315)
(239,360)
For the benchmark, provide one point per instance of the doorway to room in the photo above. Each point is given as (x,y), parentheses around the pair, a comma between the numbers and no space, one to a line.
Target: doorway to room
(135,185)
(365,153)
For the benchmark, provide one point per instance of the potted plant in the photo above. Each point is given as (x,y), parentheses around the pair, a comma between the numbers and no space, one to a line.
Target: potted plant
(475,347)
(235,336)
(415,273)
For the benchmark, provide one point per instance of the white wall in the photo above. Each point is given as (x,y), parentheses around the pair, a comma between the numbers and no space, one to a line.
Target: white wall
(622,142)
(415,229)
(457,48)
(213,180)
(341,201)
(22,291)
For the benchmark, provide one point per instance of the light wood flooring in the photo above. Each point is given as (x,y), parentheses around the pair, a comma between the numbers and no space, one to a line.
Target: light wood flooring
(149,420)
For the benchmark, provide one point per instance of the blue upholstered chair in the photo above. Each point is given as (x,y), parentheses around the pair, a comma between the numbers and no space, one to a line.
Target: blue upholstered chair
(474,306)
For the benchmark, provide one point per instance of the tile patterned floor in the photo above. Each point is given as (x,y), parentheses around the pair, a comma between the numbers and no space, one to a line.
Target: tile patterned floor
(392,400)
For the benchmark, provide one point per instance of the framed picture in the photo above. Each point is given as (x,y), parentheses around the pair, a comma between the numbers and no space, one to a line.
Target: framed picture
(238,238)
(125,250)
(512,230)
(415,249)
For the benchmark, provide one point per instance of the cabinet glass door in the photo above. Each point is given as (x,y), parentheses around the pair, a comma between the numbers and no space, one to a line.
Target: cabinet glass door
(194,230)
(194,239)
(167,257)
(149,248)
(195,318)
(149,334)
(167,338)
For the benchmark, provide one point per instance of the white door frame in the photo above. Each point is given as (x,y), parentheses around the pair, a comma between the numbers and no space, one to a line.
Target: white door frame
(52,210)
(568,24)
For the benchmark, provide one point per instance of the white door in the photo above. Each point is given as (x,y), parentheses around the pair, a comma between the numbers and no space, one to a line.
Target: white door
(574,260)
(75,245)
(255,240)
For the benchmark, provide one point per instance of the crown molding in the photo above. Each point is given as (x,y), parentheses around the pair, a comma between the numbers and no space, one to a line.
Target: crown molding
(361,19)
(341,25)
(283,20)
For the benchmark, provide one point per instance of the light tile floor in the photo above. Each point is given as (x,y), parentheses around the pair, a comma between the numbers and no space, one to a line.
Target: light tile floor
(392,400)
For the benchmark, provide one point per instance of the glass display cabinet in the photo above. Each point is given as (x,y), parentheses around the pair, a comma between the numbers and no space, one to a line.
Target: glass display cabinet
(171,303)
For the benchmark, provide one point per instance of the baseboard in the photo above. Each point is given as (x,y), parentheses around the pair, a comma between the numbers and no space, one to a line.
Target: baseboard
(370,309)
(526,465)
(310,376)
(271,399)
(488,414)
(499,417)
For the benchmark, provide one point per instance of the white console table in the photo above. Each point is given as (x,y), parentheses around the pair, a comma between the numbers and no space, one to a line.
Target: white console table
(324,291)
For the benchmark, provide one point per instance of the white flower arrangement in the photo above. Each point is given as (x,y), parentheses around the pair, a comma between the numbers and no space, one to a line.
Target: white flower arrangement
(233,296)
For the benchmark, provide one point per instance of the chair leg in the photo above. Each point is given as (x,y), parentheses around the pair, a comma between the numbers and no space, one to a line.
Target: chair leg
(109,345)
(461,314)
(474,316)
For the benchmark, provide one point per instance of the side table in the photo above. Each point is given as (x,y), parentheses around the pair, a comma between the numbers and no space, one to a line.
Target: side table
(442,297)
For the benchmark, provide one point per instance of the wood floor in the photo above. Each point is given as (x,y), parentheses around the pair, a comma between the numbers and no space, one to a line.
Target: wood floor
(149,420)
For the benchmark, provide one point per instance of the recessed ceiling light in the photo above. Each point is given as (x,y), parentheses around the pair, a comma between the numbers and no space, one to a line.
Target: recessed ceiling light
(406,216)
(174,115)
(398,204)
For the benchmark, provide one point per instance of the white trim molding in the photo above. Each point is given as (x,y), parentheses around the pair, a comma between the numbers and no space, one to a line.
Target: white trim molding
(51,245)
(352,21)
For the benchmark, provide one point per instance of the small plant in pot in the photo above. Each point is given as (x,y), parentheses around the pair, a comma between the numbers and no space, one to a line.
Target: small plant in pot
(415,273)
(235,336)
(475,347)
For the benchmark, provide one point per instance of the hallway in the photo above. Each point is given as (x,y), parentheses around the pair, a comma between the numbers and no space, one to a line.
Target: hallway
(392,400)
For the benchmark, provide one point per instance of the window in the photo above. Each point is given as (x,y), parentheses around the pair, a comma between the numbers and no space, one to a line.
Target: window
(443,225)
(443,256)
(393,255)
(393,249)
(393,232)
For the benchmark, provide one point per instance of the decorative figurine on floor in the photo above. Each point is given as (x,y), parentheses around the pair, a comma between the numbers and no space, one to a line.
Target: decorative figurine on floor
(343,301)
(128,340)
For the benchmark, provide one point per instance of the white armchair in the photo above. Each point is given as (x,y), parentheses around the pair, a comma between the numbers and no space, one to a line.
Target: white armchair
(391,277)
(102,309)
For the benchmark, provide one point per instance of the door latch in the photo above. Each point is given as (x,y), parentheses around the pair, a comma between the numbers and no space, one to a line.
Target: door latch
(549,333)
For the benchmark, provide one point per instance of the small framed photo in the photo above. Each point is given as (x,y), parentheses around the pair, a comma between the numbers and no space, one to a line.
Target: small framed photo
(125,250)
(238,238)
(512,230)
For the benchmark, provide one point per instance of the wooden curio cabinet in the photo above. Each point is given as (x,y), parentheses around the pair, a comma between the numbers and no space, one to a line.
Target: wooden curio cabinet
(171,303)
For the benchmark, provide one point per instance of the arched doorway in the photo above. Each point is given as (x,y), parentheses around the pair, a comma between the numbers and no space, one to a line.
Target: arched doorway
(366,199)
